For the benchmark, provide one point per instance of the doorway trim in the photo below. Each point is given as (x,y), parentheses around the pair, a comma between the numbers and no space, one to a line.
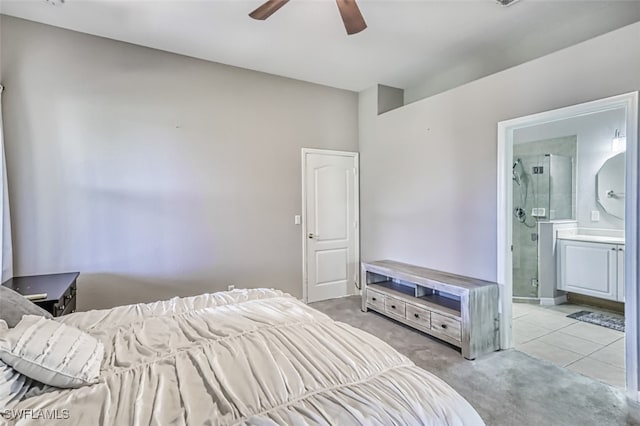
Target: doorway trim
(356,189)
(506,129)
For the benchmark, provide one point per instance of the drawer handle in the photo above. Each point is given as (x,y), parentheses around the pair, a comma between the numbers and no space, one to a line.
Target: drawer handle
(374,299)
(393,306)
(443,325)
(416,315)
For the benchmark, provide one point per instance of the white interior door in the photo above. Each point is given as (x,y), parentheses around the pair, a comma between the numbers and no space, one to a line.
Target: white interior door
(331,214)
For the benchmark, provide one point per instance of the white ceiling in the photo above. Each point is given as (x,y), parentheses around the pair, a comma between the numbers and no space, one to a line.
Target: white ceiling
(407,42)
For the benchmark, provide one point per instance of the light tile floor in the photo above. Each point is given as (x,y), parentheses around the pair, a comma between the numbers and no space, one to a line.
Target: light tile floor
(545,332)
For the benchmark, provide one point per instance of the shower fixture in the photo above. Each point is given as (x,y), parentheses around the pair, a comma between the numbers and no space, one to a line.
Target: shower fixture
(517,174)
(520,177)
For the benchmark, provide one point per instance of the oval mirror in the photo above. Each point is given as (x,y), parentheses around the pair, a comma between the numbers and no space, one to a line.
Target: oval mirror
(610,185)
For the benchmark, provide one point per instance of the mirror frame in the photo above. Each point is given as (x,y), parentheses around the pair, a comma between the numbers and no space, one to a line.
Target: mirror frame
(628,101)
(611,195)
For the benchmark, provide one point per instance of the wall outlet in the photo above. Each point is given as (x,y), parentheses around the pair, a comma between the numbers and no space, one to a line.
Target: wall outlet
(595,216)
(231,287)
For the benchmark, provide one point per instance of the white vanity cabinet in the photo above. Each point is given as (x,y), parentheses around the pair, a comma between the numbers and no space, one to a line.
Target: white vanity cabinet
(591,268)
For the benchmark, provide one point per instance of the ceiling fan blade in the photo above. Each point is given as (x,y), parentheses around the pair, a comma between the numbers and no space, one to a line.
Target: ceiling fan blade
(267,9)
(351,16)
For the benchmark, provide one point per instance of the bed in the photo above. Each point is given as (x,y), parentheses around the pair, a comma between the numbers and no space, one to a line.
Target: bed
(256,357)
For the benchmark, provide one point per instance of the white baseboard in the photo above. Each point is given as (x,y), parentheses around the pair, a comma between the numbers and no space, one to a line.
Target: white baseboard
(550,301)
(530,300)
(633,395)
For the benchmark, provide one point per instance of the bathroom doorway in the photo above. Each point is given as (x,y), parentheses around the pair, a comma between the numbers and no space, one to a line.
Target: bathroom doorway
(567,273)
(552,318)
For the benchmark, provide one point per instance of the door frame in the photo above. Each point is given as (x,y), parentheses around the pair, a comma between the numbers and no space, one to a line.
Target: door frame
(506,129)
(356,193)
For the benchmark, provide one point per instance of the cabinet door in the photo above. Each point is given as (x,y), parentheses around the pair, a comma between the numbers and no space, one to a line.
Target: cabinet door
(620,274)
(588,268)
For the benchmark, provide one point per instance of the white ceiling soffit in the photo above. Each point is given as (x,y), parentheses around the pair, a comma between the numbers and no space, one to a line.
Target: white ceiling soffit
(406,42)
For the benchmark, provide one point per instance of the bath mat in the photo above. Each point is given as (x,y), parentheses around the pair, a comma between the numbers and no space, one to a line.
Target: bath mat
(612,321)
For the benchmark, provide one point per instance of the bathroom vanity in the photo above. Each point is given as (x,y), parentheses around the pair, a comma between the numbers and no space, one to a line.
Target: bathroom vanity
(460,310)
(591,263)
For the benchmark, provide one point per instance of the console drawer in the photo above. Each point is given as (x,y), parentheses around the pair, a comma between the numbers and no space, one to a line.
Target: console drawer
(417,315)
(394,306)
(375,299)
(446,325)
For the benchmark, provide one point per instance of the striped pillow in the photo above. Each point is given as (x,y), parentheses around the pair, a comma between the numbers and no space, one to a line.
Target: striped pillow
(52,353)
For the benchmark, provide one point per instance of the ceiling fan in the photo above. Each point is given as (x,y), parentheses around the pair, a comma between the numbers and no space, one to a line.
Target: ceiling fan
(351,16)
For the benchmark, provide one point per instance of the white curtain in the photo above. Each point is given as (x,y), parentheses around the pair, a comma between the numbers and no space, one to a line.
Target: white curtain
(5,223)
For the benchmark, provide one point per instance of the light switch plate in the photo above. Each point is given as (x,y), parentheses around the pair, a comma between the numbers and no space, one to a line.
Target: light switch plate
(296,219)
(595,215)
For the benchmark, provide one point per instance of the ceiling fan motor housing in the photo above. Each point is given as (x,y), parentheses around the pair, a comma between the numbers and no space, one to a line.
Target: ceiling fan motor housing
(506,2)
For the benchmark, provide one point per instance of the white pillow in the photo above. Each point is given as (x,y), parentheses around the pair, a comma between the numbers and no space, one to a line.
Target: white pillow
(52,353)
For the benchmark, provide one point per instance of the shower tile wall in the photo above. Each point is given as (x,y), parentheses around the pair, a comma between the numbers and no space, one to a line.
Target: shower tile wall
(566,146)
(550,192)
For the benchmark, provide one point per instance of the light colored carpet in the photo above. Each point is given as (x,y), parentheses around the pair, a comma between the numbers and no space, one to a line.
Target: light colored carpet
(507,387)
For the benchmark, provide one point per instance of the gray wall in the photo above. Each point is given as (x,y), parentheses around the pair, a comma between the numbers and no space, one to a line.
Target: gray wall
(155,174)
(429,169)
(389,98)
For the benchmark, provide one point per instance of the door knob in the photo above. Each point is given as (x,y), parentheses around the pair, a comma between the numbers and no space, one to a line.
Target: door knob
(311,235)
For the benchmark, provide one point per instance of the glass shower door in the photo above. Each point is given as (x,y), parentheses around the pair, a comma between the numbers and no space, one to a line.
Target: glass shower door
(531,204)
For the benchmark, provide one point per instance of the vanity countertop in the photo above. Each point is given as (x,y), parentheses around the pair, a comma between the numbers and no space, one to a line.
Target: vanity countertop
(571,234)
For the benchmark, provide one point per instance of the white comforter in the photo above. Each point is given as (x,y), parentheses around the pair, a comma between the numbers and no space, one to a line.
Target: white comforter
(255,357)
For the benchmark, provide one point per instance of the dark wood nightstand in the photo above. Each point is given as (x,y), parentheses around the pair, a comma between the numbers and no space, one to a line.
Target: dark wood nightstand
(59,288)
